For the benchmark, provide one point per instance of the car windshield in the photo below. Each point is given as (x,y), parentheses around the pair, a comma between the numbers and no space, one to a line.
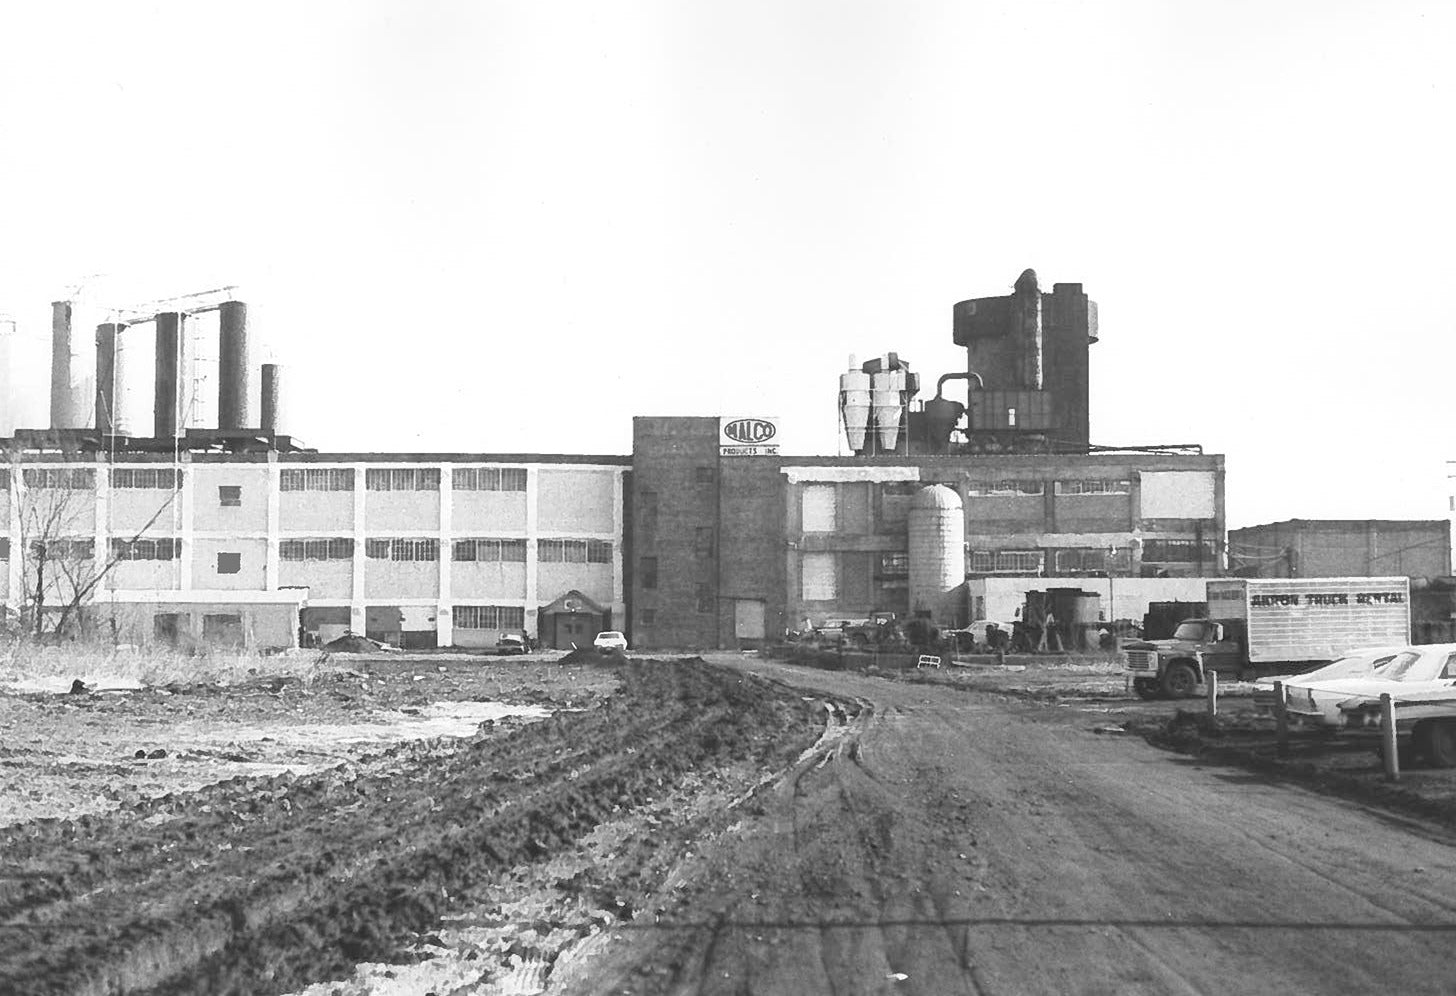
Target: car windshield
(611,635)
(1351,667)
(1412,666)
(1190,631)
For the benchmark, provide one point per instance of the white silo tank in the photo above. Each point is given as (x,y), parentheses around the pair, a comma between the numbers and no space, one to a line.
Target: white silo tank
(937,552)
(854,406)
(889,387)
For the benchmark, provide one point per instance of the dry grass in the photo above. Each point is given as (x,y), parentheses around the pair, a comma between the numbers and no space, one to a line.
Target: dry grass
(102,664)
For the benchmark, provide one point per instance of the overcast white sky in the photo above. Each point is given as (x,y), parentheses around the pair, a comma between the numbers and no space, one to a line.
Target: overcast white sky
(512,226)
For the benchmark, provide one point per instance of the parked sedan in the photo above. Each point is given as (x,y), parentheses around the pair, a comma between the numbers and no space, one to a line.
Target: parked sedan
(610,640)
(1315,698)
(1424,696)
(1358,663)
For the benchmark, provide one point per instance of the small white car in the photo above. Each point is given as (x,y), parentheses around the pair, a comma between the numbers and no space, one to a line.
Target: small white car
(610,640)
(1417,670)
(1355,664)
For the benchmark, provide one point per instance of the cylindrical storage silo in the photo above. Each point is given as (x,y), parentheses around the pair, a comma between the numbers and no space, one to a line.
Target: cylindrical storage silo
(937,552)
(854,401)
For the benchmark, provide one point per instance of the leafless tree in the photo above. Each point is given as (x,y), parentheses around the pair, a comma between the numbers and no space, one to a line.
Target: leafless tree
(58,543)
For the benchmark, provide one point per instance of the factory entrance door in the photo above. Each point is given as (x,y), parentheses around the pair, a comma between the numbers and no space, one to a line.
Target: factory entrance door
(573,620)
(748,622)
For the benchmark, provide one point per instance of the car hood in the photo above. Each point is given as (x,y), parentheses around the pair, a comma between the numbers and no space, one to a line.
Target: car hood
(1400,691)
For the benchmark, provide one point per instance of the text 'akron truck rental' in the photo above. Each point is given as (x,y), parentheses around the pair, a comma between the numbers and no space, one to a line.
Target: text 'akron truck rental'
(1271,626)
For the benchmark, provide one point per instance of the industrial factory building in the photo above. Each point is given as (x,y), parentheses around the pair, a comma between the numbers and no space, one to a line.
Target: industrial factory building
(734,543)
(705,536)
(412,549)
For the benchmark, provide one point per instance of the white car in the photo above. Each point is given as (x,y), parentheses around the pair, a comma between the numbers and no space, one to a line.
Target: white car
(1357,663)
(1424,694)
(1419,669)
(610,640)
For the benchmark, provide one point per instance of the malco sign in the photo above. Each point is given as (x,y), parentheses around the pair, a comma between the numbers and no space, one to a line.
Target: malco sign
(748,437)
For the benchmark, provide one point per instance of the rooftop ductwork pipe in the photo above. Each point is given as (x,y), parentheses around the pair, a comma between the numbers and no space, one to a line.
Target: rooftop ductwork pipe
(108,378)
(63,407)
(168,406)
(272,416)
(232,366)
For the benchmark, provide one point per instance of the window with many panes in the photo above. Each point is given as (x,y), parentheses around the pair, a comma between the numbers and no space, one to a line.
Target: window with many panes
(406,550)
(335,548)
(488,617)
(647,572)
(573,551)
(703,596)
(57,478)
(166,548)
(402,479)
(507,550)
(316,479)
(488,479)
(703,541)
(63,549)
(894,565)
(1006,562)
(1099,487)
(1176,551)
(163,478)
(1006,489)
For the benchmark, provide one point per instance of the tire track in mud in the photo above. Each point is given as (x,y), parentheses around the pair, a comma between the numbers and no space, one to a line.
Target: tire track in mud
(112,904)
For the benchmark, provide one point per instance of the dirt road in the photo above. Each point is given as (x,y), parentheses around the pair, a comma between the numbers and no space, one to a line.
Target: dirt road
(948,842)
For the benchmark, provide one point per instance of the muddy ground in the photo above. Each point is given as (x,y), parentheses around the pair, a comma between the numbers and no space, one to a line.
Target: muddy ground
(733,825)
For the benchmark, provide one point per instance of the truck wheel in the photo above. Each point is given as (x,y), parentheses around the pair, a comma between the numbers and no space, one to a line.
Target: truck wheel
(1436,741)
(1146,688)
(1180,681)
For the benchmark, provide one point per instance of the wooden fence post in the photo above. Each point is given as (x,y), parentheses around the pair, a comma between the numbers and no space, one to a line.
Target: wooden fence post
(1281,719)
(1210,682)
(1387,737)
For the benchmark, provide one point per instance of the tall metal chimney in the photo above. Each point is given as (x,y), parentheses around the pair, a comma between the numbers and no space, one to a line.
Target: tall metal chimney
(272,418)
(232,366)
(170,344)
(63,411)
(108,378)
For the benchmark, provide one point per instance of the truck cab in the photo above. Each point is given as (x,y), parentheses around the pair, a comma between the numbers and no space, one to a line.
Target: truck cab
(1175,667)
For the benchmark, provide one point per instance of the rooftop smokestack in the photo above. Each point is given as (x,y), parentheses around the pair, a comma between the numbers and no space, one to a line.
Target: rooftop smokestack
(232,366)
(63,408)
(272,419)
(108,377)
(170,343)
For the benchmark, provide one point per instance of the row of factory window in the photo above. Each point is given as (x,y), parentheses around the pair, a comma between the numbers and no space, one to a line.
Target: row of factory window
(1022,488)
(488,617)
(548,551)
(167,548)
(290,479)
(1069,560)
(403,479)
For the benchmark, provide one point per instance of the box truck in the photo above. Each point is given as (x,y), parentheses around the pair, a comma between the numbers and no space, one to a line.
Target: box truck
(1271,626)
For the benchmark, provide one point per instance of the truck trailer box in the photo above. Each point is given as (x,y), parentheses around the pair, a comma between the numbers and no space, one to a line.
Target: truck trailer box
(1313,619)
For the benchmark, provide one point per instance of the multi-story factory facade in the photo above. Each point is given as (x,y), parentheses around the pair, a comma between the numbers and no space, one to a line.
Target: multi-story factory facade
(734,549)
(424,550)
(705,536)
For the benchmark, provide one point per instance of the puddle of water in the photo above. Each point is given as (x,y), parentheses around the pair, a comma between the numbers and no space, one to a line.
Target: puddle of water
(439,719)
